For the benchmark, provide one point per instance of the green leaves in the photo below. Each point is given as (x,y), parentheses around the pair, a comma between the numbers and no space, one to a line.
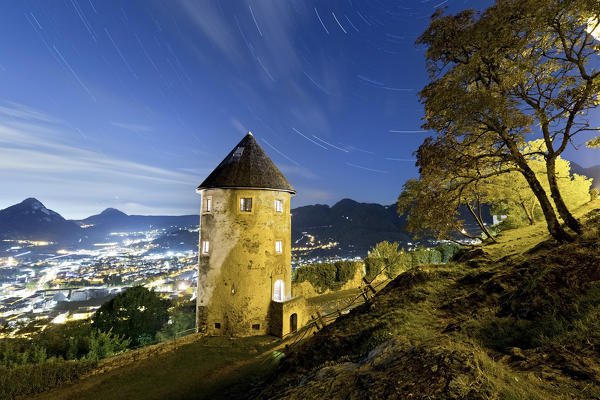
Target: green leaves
(134,313)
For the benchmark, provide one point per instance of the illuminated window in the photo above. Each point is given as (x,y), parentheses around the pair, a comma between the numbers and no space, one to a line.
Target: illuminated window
(208,205)
(246,204)
(205,247)
(278,291)
(278,246)
(279,206)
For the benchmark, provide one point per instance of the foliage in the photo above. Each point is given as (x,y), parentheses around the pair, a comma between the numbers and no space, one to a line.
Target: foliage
(432,202)
(15,352)
(391,260)
(594,194)
(137,313)
(324,276)
(386,258)
(447,250)
(69,341)
(25,380)
(182,317)
(497,76)
(105,344)
(594,143)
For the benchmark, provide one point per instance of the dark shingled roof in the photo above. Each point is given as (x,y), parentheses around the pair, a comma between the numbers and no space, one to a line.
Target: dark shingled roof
(247,166)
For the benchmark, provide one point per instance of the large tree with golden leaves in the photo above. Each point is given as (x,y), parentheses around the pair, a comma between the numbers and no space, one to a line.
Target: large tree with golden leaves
(522,68)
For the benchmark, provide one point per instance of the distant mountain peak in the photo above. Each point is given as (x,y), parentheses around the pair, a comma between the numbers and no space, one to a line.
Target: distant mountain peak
(33,203)
(113,212)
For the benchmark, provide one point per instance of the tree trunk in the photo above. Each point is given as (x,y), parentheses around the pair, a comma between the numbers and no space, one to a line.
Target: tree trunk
(533,204)
(563,211)
(529,217)
(480,223)
(554,227)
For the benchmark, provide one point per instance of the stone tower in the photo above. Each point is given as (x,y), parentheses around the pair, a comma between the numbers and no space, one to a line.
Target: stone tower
(244,279)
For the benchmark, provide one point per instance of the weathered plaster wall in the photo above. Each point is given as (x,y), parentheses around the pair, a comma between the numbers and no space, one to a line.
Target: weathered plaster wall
(236,279)
(281,315)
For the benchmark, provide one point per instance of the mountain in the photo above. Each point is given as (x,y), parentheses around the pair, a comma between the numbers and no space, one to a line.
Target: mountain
(113,220)
(590,172)
(31,220)
(356,227)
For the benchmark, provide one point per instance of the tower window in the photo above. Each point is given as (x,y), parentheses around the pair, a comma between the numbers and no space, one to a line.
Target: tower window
(217,325)
(278,246)
(256,327)
(207,205)
(205,246)
(278,290)
(246,204)
(279,206)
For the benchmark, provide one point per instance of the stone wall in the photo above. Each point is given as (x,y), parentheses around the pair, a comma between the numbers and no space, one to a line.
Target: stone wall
(283,312)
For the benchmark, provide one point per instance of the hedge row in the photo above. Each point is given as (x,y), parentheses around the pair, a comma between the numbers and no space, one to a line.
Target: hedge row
(325,276)
(29,379)
(405,260)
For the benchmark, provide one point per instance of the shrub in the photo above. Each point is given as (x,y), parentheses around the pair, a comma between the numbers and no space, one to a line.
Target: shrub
(105,344)
(25,380)
(325,276)
(594,194)
(447,250)
(182,317)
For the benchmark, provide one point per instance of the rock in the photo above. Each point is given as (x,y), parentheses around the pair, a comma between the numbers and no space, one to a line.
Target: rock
(516,353)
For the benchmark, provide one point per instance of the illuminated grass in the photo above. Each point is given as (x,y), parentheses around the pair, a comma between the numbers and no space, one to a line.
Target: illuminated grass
(205,369)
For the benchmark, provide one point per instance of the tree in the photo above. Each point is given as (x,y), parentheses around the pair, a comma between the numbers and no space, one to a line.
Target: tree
(136,314)
(182,317)
(495,76)
(594,194)
(385,257)
(510,192)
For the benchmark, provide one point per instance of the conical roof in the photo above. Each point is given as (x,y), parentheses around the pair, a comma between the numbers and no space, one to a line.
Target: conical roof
(247,166)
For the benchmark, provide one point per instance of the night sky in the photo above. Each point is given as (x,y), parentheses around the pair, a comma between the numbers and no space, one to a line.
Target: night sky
(132,104)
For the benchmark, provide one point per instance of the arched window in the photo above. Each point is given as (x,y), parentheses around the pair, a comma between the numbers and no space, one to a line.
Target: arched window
(278,291)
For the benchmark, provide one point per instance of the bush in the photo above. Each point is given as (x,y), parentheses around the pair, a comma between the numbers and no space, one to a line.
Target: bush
(25,380)
(325,276)
(373,267)
(182,317)
(105,344)
(447,250)
(594,194)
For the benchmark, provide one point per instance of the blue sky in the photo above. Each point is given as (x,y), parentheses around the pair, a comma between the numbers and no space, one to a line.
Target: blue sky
(131,104)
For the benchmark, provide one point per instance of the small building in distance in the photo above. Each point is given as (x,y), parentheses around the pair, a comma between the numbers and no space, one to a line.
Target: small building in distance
(244,276)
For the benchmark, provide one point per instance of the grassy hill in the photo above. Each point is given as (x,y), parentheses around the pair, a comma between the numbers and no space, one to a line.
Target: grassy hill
(515,320)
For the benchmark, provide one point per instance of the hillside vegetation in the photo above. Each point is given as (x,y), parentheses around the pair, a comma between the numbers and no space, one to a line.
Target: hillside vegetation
(519,319)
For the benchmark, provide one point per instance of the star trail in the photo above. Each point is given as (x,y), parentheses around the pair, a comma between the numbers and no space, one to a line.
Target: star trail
(131,104)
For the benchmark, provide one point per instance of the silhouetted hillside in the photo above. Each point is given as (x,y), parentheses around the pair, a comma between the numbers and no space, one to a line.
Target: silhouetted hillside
(31,220)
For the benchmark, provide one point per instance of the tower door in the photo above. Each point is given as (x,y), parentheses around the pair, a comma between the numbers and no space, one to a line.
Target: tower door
(278,291)
(293,322)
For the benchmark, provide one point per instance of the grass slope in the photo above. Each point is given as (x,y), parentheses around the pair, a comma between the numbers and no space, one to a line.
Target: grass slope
(516,320)
(205,369)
